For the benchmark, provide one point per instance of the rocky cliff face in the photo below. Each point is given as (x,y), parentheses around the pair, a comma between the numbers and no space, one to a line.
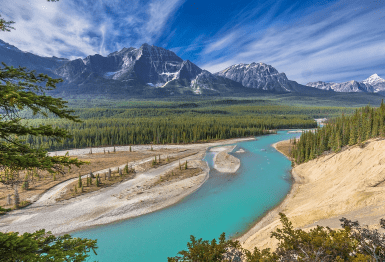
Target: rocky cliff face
(257,75)
(149,65)
(373,84)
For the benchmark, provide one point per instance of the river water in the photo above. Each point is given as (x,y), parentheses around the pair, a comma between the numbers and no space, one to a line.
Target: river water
(229,203)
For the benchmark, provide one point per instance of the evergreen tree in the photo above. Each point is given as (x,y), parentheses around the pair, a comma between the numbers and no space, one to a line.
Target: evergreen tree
(80,184)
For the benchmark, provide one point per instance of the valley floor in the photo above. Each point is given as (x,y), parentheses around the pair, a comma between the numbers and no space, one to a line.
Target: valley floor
(151,189)
(348,184)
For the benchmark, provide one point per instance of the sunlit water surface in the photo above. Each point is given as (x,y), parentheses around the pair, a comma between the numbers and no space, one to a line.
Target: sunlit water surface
(229,203)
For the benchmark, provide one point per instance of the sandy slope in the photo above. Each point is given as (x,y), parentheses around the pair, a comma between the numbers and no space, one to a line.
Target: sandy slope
(348,184)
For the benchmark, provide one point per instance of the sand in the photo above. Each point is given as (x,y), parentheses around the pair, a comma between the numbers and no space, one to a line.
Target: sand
(240,151)
(125,200)
(225,163)
(348,184)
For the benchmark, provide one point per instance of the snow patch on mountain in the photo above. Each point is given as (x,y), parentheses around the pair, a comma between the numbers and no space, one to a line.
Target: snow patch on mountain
(257,75)
(373,80)
(372,84)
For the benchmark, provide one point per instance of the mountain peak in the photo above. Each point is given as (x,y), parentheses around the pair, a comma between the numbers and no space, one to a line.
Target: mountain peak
(257,75)
(373,80)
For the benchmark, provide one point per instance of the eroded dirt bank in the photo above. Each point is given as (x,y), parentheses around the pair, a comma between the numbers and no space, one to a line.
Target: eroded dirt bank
(348,184)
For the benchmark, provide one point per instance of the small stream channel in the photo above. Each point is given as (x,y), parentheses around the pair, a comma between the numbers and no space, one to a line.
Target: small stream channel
(229,203)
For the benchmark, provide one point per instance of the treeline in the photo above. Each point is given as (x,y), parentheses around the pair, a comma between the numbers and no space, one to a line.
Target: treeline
(160,129)
(365,123)
(224,107)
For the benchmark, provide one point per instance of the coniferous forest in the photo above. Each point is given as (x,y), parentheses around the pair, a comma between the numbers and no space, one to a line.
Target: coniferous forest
(367,122)
(122,126)
(160,122)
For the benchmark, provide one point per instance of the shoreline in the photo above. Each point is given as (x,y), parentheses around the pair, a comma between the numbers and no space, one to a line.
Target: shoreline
(346,184)
(112,204)
(224,162)
(270,216)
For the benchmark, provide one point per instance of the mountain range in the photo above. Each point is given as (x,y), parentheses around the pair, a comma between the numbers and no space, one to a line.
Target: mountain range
(151,71)
(373,84)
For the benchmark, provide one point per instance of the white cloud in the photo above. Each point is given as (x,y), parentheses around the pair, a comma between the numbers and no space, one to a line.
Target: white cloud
(74,28)
(338,43)
(221,43)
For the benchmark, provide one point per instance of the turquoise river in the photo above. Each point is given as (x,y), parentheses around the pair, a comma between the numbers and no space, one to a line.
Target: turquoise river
(229,203)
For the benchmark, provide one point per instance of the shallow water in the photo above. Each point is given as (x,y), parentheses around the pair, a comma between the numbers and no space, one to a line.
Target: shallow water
(229,203)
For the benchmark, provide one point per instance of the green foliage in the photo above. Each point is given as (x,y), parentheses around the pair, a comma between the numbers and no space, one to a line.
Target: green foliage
(4,210)
(80,183)
(19,90)
(42,246)
(206,251)
(25,184)
(6,25)
(365,123)
(352,243)
(103,127)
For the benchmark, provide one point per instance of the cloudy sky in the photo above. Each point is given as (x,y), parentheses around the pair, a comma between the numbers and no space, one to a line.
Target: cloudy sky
(328,40)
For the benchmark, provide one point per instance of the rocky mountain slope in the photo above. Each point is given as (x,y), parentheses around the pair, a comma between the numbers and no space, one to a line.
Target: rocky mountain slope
(11,55)
(373,84)
(150,71)
(263,77)
(257,75)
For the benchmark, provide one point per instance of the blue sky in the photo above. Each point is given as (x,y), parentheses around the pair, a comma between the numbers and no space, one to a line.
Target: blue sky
(325,40)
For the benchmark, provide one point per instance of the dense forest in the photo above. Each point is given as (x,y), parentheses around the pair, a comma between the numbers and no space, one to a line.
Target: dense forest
(108,123)
(367,122)
(169,122)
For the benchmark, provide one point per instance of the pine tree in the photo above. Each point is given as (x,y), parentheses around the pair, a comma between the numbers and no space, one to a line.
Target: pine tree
(25,185)
(353,139)
(80,184)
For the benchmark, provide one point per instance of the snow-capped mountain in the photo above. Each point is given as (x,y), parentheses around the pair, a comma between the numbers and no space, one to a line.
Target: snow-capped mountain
(376,82)
(373,80)
(373,84)
(257,75)
(151,71)
(147,67)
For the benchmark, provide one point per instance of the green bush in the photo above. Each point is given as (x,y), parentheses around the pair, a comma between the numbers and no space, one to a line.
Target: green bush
(42,246)
(352,243)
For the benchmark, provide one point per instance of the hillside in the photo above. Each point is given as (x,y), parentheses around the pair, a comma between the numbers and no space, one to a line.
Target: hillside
(347,184)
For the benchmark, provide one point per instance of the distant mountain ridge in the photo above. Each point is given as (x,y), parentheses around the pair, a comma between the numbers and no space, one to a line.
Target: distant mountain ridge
(373,84)
(151,71)
(11,55)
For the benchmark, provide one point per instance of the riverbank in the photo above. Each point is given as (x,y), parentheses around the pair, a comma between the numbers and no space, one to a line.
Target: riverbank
(145,193)
(223,162)
(283,147)
(347,184)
